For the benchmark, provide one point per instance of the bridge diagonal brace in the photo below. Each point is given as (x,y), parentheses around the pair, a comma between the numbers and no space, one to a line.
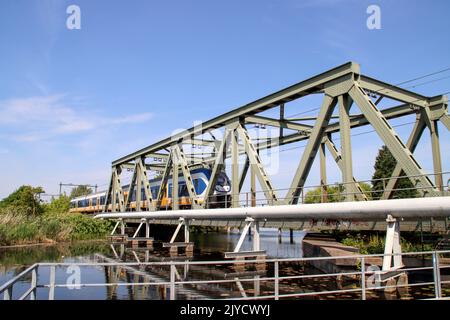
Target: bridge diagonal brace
(411,144)
(144,179)
(445,119)
(182,222)
(256,164)
(311,149)
(219,165)
(115,228)
(117,190)
(138,229)
(432,125)
(164,180)
(108,195)
(248,224)
(181,161)
(355,188)
(132,187)
(390,138)
(244,173)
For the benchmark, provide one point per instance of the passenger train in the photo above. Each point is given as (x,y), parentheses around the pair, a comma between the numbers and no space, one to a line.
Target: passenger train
(221,197)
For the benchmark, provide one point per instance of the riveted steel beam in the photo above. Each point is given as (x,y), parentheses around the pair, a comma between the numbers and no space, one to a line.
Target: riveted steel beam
(278,123)
(392,140)
(392,91)
(323,174)
(345,103)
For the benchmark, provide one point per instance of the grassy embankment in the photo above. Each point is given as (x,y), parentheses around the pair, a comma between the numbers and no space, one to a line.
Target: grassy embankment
(17,228)
(23,221)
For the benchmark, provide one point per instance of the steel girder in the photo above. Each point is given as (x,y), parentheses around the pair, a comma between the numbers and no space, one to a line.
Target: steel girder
(340,86)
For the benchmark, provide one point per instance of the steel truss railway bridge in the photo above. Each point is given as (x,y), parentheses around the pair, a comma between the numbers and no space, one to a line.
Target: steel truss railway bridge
(343,89)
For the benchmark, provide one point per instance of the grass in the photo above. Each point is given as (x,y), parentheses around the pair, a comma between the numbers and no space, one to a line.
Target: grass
(17,228)
(374,244)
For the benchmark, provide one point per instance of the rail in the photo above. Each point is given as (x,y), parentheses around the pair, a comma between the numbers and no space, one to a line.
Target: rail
(365,274)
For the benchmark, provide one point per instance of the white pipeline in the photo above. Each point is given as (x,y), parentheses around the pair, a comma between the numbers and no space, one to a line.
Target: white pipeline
(360,210)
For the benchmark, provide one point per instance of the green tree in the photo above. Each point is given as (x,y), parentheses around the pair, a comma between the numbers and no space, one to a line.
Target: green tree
(80,191)
(384,166)
(58,205)
(334,193)
(25,199)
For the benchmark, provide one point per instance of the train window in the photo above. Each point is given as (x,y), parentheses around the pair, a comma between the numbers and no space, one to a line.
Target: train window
(170,191)
(221,180)
(154,192)
(183,191)
(102,200)
(94,201)
(200,186)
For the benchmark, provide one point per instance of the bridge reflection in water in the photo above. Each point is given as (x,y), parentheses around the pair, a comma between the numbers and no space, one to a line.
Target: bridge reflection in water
(147,273)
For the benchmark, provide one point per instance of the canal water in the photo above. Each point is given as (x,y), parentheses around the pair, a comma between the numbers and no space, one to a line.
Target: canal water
(209,247)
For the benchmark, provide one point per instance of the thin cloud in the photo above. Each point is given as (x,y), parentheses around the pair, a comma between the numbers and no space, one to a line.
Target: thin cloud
(39,118)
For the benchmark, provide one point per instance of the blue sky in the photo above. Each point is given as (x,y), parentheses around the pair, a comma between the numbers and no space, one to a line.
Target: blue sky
(72,101)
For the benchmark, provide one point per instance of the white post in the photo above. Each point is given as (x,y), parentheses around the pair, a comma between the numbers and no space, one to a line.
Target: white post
(51,290)
(147,229)
(392,245)
(256,239)
(138,229)
(180,224)
(249,222)
(186,231)
(115,227)
(122,227)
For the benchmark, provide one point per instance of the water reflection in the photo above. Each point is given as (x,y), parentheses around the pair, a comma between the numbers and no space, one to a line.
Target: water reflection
(135,282)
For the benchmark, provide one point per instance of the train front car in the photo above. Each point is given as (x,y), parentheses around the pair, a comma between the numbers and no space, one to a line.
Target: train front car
(222,192)
(220,198)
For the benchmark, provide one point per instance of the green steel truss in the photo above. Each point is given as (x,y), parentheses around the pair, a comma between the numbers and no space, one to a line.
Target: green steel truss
(343,88)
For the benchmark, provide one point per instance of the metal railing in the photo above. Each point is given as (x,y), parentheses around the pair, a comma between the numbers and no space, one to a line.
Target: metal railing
(337,192)
(362,275)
